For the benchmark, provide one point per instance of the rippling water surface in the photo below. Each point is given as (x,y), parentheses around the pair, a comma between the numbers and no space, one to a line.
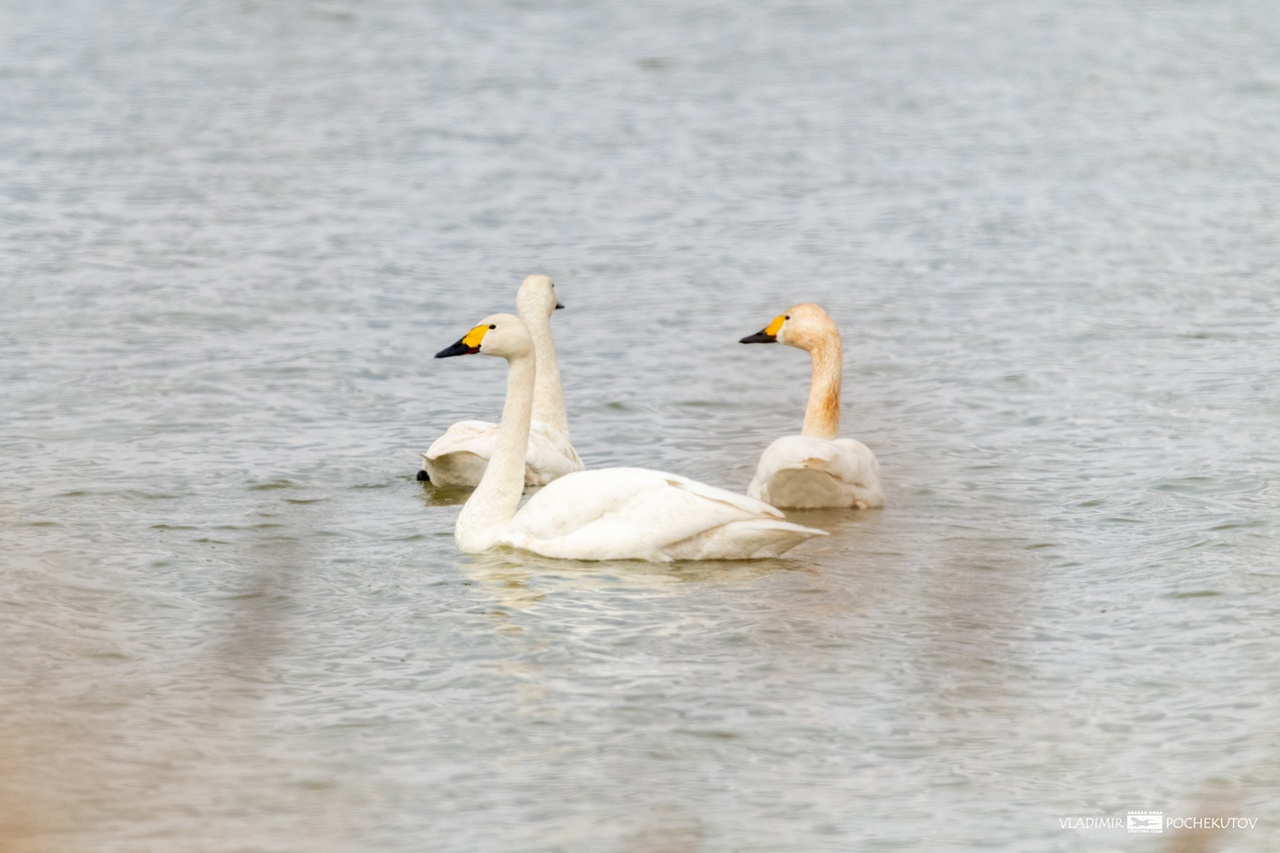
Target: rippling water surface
(234,233)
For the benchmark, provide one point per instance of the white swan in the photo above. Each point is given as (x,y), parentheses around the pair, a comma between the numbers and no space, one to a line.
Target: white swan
(459,457)
(815,469)
(607,514)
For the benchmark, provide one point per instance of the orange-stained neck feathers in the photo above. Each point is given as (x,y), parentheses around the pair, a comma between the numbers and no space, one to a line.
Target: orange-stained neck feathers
(810,328)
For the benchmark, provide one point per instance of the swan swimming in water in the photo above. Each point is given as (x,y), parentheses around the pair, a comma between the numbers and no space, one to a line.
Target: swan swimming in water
(459,457)
(815,469)
(606,514)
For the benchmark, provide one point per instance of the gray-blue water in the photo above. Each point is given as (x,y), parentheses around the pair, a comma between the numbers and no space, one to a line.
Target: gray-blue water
(232,234)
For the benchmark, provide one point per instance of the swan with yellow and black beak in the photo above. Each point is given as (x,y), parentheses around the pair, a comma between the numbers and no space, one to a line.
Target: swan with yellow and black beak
(606,514)
(816,468)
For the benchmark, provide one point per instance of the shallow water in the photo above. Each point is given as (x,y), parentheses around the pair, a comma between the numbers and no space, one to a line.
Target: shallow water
(234,234)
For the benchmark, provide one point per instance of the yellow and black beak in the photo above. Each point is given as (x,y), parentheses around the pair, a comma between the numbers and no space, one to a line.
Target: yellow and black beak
(468,344)
(767,335)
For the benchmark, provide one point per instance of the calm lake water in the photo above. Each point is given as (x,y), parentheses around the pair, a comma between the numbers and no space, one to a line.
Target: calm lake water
(232,235)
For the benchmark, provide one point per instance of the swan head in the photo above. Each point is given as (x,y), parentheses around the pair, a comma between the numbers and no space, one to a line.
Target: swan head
(537,297)
(804,326)
(503,335)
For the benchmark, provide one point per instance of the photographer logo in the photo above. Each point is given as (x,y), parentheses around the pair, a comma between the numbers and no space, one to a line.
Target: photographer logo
(1147,823)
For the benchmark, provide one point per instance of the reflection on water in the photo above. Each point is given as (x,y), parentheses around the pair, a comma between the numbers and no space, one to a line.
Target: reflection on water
(69,770)
(521,580)
(234,235)
(444,496)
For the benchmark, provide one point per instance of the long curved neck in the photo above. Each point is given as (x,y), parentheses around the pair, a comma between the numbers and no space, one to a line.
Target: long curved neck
(822,414)
(496,498)
(548,393)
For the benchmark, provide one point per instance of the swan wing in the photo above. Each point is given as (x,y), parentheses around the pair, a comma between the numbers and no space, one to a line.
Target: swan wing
(801,471)
(459,457)
(636,513)
(550,455)
(857,465)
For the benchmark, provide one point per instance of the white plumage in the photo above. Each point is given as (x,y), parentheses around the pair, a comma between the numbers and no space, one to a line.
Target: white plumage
(640,514)
(459,457)
(815,469)
(608,514)
(805,472)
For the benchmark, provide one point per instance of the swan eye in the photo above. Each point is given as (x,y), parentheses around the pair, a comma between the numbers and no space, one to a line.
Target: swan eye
(787,317)
(492,326)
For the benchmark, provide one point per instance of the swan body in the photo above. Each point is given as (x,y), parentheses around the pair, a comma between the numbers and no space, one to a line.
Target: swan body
(807,472)
(639,514)
(459,457)
(607,514)
(816,468)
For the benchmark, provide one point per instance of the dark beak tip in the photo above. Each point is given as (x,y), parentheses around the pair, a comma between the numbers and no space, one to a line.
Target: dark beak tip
(457,349)
(758,338)
(558,306)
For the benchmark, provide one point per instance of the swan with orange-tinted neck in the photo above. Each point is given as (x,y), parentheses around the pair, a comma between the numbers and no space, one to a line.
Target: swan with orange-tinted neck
(816,468)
